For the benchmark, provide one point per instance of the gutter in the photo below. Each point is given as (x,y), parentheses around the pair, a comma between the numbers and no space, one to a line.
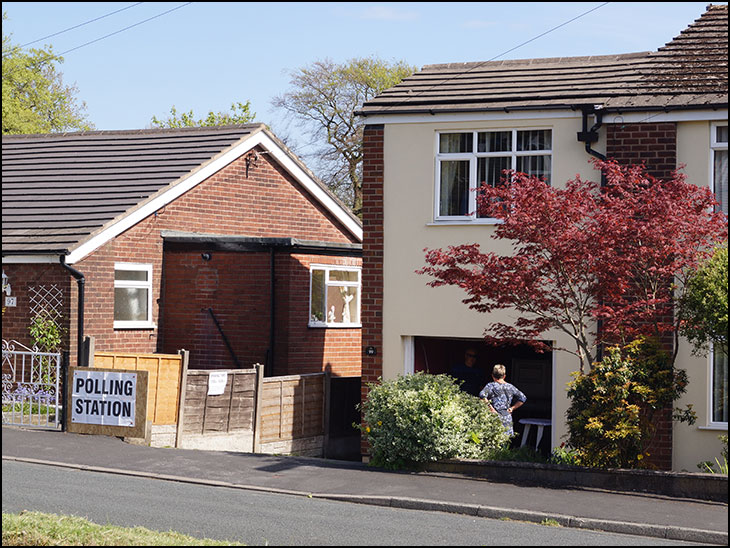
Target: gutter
(81,281)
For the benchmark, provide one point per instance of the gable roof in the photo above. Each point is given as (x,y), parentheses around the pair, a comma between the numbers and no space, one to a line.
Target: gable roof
(688,72)
(69,193)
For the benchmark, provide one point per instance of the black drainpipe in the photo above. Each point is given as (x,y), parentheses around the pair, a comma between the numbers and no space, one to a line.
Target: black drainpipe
(590,136)
(80,280)
(269,368)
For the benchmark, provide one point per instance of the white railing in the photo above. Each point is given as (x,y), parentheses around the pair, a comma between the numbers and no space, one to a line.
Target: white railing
(31,386)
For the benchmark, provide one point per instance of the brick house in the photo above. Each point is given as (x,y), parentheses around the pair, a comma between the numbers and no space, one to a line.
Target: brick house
(429,139)
(216,240)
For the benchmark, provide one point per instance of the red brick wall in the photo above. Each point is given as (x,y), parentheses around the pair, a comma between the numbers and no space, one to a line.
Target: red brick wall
(654,145)
(21,277)
(372,262)
(263,202)
(236,286)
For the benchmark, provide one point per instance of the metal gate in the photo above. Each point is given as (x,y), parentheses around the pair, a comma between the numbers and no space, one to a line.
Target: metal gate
(32,387)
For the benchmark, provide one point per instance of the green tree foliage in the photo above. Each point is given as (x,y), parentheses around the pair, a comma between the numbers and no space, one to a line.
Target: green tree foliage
(420,418)
(323,100)
(240,113)
(703,309)
(35,99)
(613,407)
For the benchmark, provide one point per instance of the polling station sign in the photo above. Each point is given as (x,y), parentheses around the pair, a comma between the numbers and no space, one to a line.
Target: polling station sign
(107,401)
(103,397)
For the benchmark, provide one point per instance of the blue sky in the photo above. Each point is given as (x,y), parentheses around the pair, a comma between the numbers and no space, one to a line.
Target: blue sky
(205,56)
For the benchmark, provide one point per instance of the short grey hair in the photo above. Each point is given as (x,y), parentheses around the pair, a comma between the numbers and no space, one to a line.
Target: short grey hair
(499,371)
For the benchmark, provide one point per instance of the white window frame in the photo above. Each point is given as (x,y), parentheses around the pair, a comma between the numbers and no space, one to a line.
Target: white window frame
(335,283)
(715,146)
(472,157)
(711,424)
(136,267)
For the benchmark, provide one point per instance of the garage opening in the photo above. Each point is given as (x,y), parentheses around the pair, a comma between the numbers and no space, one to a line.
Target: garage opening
(528,370)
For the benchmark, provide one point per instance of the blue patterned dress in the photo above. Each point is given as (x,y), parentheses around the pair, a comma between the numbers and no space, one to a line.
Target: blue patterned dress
(500,395)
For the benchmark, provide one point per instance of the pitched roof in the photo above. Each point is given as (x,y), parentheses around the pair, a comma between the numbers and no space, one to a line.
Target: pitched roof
(688,72)
(61,190)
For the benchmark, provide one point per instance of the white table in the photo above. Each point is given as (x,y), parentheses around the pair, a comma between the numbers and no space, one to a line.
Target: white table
(540,423)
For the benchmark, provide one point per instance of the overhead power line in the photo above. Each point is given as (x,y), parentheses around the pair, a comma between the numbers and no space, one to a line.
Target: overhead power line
(81,24)
(125,28)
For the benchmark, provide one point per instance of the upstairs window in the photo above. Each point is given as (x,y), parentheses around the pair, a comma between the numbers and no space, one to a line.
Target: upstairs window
(334,297)
(132,295)
(719,165)
(465,160)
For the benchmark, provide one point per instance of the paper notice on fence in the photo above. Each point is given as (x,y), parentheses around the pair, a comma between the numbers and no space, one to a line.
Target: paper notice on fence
(217,383)
(103,397)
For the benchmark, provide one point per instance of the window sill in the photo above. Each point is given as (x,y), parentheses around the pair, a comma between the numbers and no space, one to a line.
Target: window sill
(134,325)
(465,222)
(719,427)
(335,326)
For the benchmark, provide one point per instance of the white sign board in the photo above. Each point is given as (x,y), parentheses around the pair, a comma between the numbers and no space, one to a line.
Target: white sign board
(217,383)
(103,397)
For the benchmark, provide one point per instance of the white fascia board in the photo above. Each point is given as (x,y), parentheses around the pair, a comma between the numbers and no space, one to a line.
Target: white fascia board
(31,259)
(611,116)
(181,187)
(314,189)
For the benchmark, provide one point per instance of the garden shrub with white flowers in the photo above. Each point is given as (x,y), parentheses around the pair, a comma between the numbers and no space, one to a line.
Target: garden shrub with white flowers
(422,418)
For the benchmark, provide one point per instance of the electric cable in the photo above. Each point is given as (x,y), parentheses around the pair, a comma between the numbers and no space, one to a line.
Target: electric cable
(125,28)
(81,24)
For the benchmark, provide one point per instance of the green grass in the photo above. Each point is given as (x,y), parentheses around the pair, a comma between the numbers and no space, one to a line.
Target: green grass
(38,529)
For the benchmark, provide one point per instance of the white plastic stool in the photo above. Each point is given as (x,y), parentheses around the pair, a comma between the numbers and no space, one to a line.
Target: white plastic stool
(540,423)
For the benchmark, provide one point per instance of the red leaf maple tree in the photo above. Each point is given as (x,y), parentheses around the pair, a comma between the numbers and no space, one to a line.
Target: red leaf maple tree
(604,264)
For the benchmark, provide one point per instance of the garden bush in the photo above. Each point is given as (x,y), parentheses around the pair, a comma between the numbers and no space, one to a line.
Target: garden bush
(613,407)
(421,418)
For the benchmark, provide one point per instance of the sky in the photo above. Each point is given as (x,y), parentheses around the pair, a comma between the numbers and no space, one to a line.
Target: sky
(132,61)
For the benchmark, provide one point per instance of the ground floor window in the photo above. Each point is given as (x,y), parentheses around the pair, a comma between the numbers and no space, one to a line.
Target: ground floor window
(719,387)
(334,296)
(132,295)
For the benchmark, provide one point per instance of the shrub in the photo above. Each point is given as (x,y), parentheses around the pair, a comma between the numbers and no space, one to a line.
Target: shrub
(610,418)
(420,418)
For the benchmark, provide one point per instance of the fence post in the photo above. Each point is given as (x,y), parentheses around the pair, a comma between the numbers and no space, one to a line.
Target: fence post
(184,357)
(89,349)
(257,407)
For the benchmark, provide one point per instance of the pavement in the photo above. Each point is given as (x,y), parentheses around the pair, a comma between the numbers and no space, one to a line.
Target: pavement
(641,514)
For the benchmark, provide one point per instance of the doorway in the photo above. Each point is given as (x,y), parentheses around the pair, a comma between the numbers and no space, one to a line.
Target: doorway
(528,370)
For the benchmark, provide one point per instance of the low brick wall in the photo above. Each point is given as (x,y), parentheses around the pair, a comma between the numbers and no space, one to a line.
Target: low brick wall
(674,484)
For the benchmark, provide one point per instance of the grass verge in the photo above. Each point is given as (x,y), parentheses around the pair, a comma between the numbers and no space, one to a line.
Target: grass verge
(39,529)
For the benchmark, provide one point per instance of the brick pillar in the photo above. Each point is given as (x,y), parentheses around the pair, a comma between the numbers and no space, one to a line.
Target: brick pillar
(654,145)
(372,258)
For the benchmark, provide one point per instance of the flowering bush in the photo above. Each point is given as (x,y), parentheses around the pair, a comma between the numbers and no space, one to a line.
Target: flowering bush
(420,418)
(612,412)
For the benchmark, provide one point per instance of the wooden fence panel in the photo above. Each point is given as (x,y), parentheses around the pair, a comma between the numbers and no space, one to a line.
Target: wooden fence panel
(292,407)
(234,410)
(164,373)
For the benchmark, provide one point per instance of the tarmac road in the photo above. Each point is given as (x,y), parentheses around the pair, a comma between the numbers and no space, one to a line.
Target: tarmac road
(637,514)
(261,518)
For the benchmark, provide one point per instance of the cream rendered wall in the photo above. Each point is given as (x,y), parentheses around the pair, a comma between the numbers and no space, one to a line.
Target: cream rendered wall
(696,443)
(410,307)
